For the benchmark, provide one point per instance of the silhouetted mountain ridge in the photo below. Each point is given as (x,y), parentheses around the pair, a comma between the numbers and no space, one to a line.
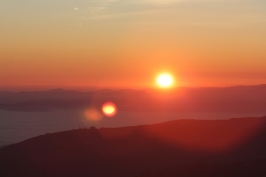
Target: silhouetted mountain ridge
(238,99)
(234,147)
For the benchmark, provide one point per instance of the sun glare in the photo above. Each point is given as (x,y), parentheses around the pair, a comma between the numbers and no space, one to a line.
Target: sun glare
(165,80)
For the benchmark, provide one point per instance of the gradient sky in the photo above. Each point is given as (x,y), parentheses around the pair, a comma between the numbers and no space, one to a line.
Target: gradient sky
(126,43)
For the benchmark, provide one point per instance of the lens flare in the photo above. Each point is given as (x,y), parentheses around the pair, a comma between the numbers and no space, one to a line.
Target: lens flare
(109,109)
(93,114)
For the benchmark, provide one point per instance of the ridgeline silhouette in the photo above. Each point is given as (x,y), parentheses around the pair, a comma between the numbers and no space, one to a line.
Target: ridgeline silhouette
(183,148)
(239,99)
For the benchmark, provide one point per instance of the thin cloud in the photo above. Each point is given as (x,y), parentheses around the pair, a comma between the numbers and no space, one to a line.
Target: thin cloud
(177,1)
(100,5)
(163,1)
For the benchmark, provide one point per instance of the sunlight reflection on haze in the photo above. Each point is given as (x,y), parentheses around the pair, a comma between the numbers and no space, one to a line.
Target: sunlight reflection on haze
(207,136)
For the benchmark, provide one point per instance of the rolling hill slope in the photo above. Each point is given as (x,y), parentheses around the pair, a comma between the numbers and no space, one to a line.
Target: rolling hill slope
(234,147)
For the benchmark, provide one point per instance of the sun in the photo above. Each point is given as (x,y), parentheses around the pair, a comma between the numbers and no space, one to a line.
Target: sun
(165,80)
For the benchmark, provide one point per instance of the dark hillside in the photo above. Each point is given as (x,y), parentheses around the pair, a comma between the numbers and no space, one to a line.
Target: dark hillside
(234,147)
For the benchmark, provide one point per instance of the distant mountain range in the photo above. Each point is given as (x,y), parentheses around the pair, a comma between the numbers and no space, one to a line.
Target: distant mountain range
(238,99)
(183,148)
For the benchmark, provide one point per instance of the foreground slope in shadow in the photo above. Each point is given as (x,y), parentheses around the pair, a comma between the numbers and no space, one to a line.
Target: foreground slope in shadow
(234,147)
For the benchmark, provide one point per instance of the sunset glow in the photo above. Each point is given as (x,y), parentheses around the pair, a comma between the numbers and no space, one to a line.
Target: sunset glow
(122,44)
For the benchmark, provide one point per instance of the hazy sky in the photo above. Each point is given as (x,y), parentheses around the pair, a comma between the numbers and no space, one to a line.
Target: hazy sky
(126,43)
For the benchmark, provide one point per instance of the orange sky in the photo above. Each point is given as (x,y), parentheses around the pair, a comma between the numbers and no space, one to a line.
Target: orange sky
(122,43)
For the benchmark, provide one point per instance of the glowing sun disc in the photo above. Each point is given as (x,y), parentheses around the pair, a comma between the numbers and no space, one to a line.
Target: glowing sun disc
(109,109)
(165,80)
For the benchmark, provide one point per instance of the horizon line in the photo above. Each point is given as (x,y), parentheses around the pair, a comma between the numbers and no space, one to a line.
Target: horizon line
(17,89)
